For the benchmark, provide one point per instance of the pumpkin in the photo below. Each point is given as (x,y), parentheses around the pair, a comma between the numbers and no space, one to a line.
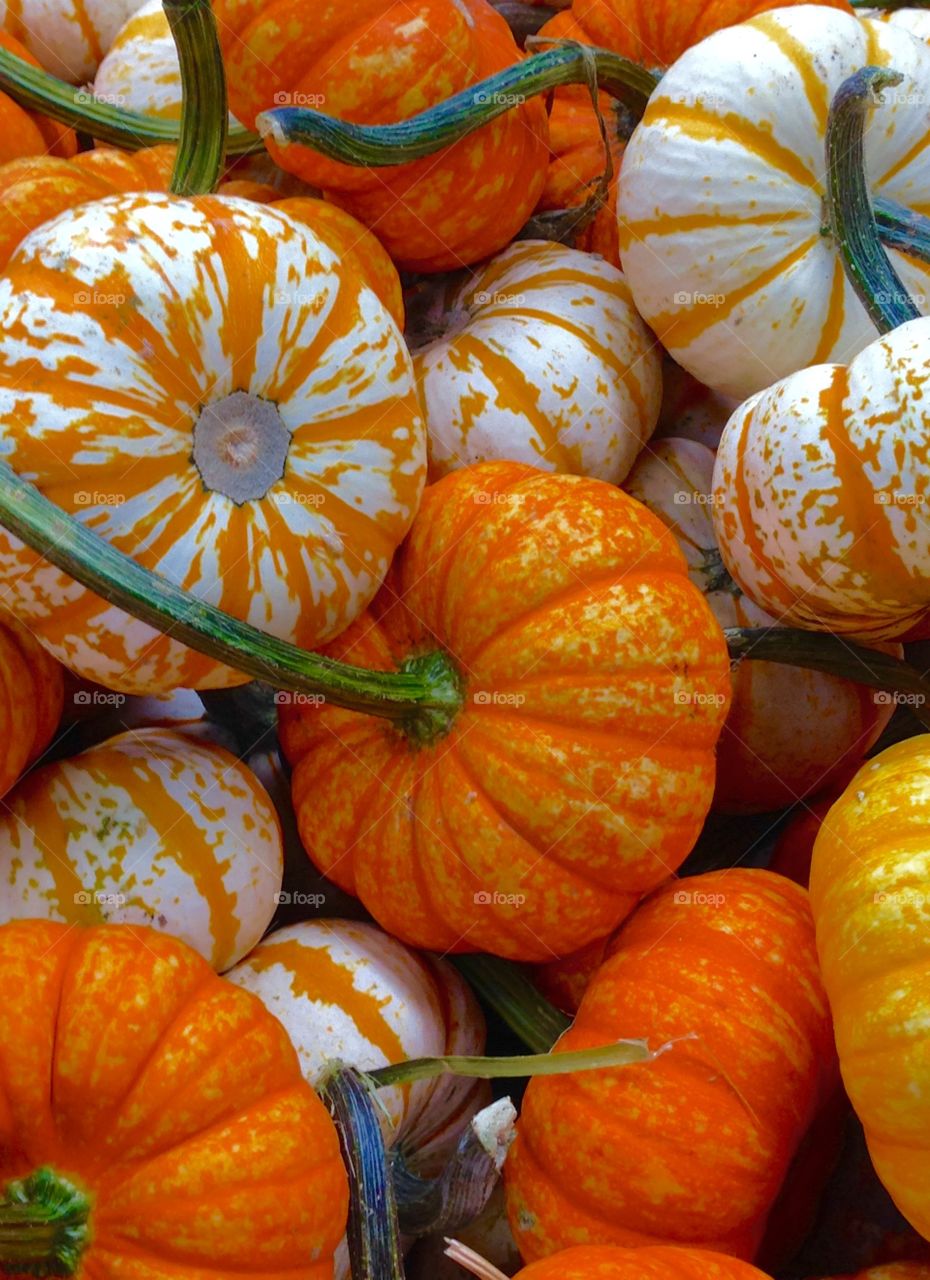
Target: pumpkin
(543,360)
(820,492)
(579,768)
(563,982)
(31,700)
(790,731)
(268,391)
(68,39)
(690,1148)
(347,992)
(171,1099)
(916,21)
(147,828)
(26,133)
(603,1262)
(691,411)
(374,61)
(869,896)
(722,189)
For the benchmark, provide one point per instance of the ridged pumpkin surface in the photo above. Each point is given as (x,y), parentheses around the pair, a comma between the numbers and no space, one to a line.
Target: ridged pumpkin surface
(170,1096)
(347,992)
(870,892)
(222,344)
(821,491)
(147,828)
(27,133)
(579,770)
(31,699)
(692,1147)
(607,1263)
(378,62)
(722,190)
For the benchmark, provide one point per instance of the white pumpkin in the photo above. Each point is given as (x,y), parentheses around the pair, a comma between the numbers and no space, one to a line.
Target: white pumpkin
(68,37)
(346,991)
(542,359)
(147,828)
(722,188)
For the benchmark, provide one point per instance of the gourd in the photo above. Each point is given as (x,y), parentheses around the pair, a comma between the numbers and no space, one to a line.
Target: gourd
(69,39)
(31,700)
(27,133)
(575,769)
(604,1262)
(541,358)
(147,828)
(152,1114)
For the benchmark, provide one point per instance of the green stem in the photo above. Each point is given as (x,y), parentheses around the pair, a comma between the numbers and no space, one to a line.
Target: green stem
(424,134)
(373,1234)
(818,651)
(510,993)
(620,1054)
(849,202)
(204,108)
(890,4)
(43,1226)
(425,695)
(902,228)
(38,91)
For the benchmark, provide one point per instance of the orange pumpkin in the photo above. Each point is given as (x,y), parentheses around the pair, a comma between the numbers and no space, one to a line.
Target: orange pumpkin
(375,61)
(170,1099)
(692,1147)
(26,133)
(602,1262)
(578,770)
(31,698)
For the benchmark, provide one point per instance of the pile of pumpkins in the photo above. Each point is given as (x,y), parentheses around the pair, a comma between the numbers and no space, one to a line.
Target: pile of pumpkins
(509,433)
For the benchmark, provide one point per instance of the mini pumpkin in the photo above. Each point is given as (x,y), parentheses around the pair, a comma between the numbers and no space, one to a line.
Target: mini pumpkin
(869,893)
(603,1262)
(168,1099)
(69,39)
(379,62)
(690,1148)
(722,190)
(264,385)
(790,731)
(542,359)
(31,699)
(822,494)
(27,133)
(347,992)
(578,770)
(146,828)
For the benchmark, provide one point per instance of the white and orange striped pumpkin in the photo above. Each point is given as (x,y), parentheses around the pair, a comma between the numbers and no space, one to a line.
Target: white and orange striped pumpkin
(789,731)
(822,492)
(916,21)
(542,359)
(68,37)
(221,396)
(722,194)
(346,991)
(148,828)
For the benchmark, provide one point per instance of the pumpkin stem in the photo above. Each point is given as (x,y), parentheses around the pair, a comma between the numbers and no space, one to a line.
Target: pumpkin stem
(204,110)
(818,651)
(422,135)
(849,202)
(43,1226)
(462,1190)
(472,1261)
(38,91)
(429,688)
(515,999)
(902,228)
(619,1054)
(373,1234)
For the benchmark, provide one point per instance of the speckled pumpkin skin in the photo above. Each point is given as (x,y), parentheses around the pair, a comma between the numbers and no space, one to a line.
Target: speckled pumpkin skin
(579,771)
(68,37)
(606,1263)
(870,892)
(377,62)
(691,1148)
(172,1097)
(822,491)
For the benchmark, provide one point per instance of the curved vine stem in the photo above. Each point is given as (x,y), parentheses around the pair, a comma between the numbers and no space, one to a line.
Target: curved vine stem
(422,135)
(819,651)
(204,109)
(38,91)
(429,687)
(513,997)
(902,228)
(849,203)
(619,1054)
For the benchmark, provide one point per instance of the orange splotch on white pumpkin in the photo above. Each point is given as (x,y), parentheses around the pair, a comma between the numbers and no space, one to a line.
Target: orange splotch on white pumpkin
(68,39)
(168,309)
(722,194)
(147,828)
